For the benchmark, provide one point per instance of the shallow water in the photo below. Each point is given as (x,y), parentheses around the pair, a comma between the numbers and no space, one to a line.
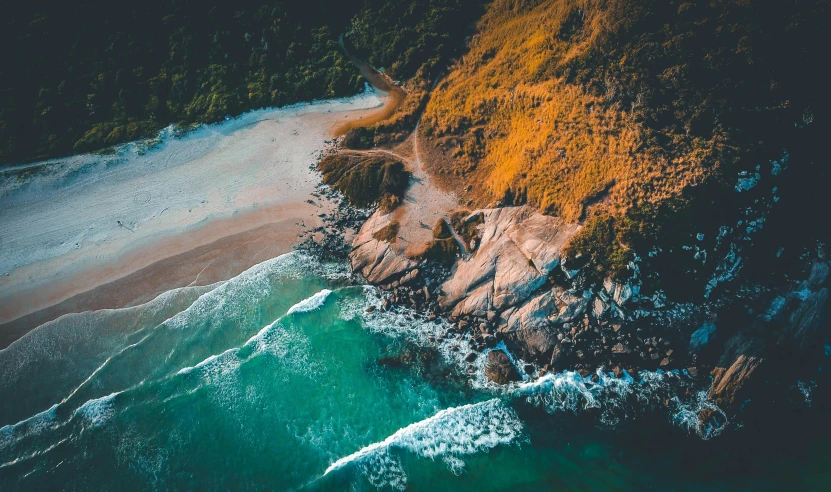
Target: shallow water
(271,380)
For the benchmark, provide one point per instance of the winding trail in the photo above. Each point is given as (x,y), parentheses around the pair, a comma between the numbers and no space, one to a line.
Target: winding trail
(423,205)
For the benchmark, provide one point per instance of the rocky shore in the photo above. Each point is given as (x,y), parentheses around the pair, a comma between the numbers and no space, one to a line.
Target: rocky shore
(510,284)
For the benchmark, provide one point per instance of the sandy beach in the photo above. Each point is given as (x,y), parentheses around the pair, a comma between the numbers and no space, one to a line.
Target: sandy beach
(106,231)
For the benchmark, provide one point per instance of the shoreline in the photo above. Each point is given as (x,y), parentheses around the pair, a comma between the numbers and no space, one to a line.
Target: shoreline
(260,218)
(219,250)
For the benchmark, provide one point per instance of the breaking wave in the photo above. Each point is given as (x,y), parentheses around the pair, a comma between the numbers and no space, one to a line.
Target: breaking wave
(449,434)
(98,410)
(32,426)
(273,338)
(311,304)
(617,399)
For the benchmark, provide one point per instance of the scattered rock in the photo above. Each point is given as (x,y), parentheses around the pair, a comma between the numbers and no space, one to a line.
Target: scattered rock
(499,368)
(701,337)
(621,349)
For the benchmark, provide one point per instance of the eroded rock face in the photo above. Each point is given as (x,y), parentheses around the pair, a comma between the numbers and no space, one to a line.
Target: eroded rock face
(375,259)
(789,336)
(518,248)
(530,326)
(500,370)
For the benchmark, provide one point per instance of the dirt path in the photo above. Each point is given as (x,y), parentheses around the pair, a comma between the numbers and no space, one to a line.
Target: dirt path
(423,204)
(382,83)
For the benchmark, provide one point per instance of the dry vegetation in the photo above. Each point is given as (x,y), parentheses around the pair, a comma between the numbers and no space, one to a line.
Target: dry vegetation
(612,108)
(516,125)
(366,180)
(388,233)
(466,226)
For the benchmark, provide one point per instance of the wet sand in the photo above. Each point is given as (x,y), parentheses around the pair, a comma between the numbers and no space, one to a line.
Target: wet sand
(193,214)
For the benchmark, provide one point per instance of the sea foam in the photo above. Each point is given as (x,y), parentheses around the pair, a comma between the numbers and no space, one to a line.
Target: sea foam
(31,426)
(311,304)
(449,434)
(97,411)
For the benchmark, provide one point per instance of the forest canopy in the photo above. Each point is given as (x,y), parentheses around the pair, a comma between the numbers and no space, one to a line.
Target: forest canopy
(87,75)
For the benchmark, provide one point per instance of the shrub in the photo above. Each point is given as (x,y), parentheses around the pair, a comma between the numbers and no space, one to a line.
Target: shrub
(388,233)
(366,180)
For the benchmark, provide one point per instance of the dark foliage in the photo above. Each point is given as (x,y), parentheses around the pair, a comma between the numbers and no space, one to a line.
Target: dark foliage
(736,85)
(401,36)
(363,180)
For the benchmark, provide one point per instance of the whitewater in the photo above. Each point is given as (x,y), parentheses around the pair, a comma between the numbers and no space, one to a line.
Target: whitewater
(268,375)
(271,380)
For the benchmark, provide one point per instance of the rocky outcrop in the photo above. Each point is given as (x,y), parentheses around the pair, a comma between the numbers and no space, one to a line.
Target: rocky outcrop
(531,326)
(375,259)
(499,369)
(788,338)
(517,250)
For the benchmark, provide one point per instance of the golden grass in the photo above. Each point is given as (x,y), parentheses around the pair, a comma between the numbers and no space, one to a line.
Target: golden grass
(520,133)
(388,233)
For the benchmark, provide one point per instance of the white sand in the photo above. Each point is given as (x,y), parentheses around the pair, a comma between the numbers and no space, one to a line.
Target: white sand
(68,225)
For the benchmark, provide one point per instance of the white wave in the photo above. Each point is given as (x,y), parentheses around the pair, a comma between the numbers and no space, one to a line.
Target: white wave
(97,411)
(311,304)
(406,323)
(616,399)
(253,285)
(272,338)
(687,415)
(450,433)
(31,426)
(214,361)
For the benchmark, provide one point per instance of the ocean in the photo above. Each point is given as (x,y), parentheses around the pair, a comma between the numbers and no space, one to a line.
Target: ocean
(290,376)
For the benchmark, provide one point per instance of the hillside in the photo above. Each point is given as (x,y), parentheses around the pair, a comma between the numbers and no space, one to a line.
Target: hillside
(635,116)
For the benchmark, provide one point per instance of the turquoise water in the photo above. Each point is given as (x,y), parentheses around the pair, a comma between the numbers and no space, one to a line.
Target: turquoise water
(271,381)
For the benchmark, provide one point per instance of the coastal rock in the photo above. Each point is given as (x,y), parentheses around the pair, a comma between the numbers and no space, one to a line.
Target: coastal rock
(600,307)
(806,324)
(701,337)
(518,249)
(621,349)
(531,327)
(796,324)
(375,259)
(623,293)
(500,370)
(560,358)
(551,307)
(819,274)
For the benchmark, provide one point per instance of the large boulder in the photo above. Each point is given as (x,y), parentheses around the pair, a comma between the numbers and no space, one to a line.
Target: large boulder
(499,369)
(530,327)
(374,257)
(518,248)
